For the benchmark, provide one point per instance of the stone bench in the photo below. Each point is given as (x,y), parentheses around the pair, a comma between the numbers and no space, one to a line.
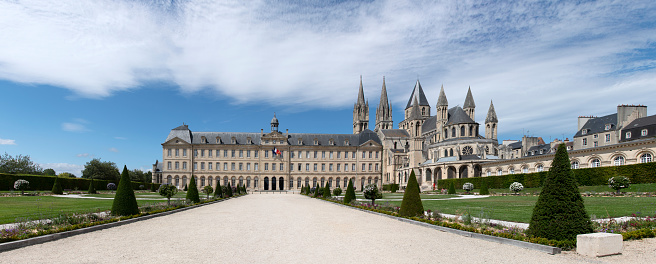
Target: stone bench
(599,244)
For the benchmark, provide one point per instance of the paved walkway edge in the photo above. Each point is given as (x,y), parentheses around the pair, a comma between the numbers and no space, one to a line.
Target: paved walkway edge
(532,246)
(56,236)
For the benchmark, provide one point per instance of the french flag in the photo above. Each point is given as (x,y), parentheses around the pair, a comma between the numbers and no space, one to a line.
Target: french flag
(276,151)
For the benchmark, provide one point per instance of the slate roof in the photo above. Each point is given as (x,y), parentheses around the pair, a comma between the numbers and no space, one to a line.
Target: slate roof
(535,150)
(418,93)
(491,114)
(643,121)
(395,133)
(442,101)
(429,125)
(469,100)
(516,145)
(241,138)
(458,116)
(598,125)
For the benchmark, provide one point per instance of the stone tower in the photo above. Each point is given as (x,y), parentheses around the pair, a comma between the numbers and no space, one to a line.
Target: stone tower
(384,111)
(360,112)
(442,113)
(469,105)
(491,122)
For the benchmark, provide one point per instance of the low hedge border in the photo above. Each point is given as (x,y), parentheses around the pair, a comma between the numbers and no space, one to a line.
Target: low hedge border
(45,182)
(69,231)
(540,244)
(637,174)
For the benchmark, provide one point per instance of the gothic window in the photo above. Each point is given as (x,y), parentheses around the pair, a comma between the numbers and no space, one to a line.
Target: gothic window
(453,132)
(446,153)
(446,133)
(462,131)
(467,150)
(423,111)
(471,131)
(451,152)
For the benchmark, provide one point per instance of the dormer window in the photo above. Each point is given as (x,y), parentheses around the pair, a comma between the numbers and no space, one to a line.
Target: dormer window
(628,134)
(331,142)
(249,141)
(203,140)
(542,151)
(218,140)
(584,131)
(234,140)
(643,132)
(607,127)
(316,141)
(346,142)
(300,141)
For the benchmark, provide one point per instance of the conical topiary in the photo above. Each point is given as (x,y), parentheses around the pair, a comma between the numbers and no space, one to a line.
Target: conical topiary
(125,203)
(559,212)
(350,193)
(484,190)
(229,191)
(326,191)
(92,189)
(411,204)
(153,187)
(218,193)
(56,187)
(307,189)
(452,188)
(192,192)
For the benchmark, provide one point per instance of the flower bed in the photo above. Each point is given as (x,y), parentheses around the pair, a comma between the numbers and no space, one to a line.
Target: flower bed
(68,222)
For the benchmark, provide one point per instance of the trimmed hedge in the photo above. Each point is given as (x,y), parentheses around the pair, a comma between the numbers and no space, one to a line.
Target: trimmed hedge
(637,173)
(45,183)
(392,187)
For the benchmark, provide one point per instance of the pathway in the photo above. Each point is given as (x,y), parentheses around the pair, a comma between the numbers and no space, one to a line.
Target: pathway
(275,228)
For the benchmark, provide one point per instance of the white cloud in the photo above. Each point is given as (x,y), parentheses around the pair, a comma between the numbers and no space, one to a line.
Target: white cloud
(78,125)
(64,167)
(542,63)
(7,141)
(84,155)
(113,149)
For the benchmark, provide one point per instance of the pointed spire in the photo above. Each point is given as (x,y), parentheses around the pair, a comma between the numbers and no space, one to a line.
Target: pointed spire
(441,101)
(469,100)
(491,114)
(383,96)
(361,93)
(417,93)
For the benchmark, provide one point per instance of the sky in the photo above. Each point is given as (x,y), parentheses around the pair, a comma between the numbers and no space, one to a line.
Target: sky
(109,79)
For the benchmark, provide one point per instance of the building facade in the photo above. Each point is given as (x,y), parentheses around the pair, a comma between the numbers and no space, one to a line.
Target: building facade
(442,146)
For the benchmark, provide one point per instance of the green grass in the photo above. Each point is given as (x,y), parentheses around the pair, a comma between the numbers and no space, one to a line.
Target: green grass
(520,208)
(646,187)
(400,196)
(13,209)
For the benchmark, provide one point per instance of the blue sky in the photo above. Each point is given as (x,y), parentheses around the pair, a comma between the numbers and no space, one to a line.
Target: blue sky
(109,79)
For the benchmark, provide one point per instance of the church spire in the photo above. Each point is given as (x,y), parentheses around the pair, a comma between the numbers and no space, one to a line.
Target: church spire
(469,105)
(360,112)
(491,122)
(361,93)
(384,111)
(491,114)
(441,101)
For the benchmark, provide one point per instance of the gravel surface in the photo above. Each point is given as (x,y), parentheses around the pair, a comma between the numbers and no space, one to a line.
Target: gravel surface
(287,228)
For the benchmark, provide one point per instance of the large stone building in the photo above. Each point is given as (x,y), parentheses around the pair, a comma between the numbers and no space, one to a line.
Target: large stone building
(442,146)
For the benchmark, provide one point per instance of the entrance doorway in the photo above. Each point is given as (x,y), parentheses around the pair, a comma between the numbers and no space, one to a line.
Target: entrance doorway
(281,184)
(273,183)
(266,183)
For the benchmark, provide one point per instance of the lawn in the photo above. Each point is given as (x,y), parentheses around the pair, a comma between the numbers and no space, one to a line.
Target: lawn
(17,208)
(520,208)
(646,187)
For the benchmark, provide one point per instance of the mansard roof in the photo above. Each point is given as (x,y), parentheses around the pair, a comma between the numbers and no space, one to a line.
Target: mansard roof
(241,138)
(417,93)
(458,116)
(598,125)
(182,132)
(641,122)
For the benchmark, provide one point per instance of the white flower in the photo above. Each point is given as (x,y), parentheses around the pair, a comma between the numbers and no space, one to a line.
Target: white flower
(468,186)
(516,187)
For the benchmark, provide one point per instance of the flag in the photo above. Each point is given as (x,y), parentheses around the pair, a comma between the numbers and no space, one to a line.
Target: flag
(276,151)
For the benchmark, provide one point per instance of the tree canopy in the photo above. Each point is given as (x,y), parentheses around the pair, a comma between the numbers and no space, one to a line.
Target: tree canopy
(19,165)
(103,170)
(49,171)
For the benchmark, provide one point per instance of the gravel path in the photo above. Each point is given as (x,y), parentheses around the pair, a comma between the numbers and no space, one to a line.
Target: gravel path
(279,228)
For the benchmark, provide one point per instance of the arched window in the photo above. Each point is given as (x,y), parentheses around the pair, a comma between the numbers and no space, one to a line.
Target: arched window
(499,172)
(330,182)
(540,168)
(618,161)
(248,182)
(241,181)
(209,180)
(511,170)
(453,132)
(446,153)
(575,165)
(314,182)
(524,169)
(645,158)
(298,184)
(255,182)
(595,163)
(169,179)
(451,152)
(423,111)
(202,181)
(462,131)
(446,133)
(471,131)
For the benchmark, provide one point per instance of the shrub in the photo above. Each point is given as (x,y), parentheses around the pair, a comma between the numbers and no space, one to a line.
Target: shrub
(21,185)
(192,193)
(559,213)
(229,191)
(337,191)
(452,188)
(326,191)
(484,190)
(618,183)
(317,191)
(372,193)
(468,187)
(411,204)
(142,187)
(56,187)
(185,187)
(350,193)
(168,191)
(92,188)
(218,193)
(153,187)
(125,203)
(111,186)
(208,190)
(516,187)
